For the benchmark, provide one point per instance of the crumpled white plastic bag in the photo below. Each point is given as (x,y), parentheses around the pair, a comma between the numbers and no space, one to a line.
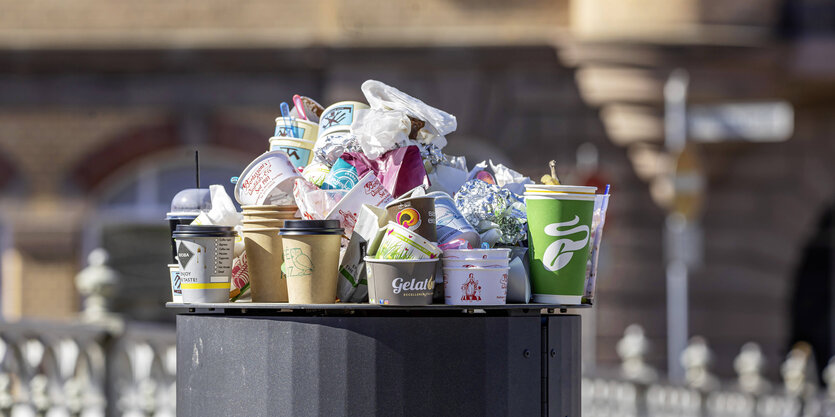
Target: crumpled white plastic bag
(390,129)
(378,131)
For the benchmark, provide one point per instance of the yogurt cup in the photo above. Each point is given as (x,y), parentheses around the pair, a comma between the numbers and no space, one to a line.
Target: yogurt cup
(269,173)
(300,151)
(204,255)
(475,286)
(284,128)
(338,117)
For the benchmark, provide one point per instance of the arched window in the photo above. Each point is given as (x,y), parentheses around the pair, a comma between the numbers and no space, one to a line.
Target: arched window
(128,220)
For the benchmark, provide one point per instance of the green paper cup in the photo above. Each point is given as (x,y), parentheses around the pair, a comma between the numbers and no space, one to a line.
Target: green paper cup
(559,232)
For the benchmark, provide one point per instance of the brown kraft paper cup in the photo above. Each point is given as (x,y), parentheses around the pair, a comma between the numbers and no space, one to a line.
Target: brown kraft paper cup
(265,255)
(311,260)
(416,214)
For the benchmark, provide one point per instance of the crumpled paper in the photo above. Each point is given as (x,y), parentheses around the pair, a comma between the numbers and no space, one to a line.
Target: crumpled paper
(496,213)
(386,125)
(500,175)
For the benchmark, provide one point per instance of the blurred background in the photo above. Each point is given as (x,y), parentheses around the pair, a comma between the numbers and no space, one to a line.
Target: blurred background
(712,120)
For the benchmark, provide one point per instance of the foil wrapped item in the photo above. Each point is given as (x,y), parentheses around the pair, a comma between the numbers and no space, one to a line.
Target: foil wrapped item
(329,148)
(491,208)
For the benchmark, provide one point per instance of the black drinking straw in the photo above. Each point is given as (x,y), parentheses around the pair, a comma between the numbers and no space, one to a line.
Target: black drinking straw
(197,167)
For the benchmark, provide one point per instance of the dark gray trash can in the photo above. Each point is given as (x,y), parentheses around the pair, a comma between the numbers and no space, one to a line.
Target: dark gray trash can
(377,361)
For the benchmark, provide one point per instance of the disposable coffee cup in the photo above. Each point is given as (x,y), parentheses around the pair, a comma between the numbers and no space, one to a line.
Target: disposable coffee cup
(204,254)
(311,260)
(338,117)
(475,286)
(261,224)
(300,151)
(185,207)
(450,224)
(268,215)
(399,282)
(559,232)
(176,291)
(401,243)
(416,214)
(269,208)
(560,189)
(264,253)
(296,128)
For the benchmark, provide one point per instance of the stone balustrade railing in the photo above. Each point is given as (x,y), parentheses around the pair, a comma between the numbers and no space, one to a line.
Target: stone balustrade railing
(636,390)
(57,369)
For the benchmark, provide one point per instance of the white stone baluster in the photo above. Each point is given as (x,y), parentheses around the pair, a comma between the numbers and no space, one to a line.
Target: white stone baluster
(632,349)
(798,371)
(167,395)
(749,366)
(696,359)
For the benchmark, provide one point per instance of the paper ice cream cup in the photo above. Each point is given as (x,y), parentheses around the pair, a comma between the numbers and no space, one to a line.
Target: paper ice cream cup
(401,282)
(339,116)
(475,286)
(401,243)
(476,263)
(300,151)
(303,129)
(416,214)
(369,190)
(176,291)
(496,253)
(559,232)
(272,171)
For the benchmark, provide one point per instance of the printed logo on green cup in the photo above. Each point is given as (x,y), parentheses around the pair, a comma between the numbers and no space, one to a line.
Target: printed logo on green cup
(559,253)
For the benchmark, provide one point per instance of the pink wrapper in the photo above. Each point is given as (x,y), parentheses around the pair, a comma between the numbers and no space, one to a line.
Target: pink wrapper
(399,170)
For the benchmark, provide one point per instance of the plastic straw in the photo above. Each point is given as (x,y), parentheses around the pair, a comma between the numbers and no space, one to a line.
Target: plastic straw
(288,121)
(608,186)
(197,168)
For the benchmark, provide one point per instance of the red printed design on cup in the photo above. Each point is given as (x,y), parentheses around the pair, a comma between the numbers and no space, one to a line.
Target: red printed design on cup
(471,289)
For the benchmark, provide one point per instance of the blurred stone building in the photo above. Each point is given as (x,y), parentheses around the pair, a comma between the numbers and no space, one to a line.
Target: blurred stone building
(102,104)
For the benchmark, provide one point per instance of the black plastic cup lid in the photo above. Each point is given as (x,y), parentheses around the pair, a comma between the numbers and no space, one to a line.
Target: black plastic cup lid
(185,230)
(311,227)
